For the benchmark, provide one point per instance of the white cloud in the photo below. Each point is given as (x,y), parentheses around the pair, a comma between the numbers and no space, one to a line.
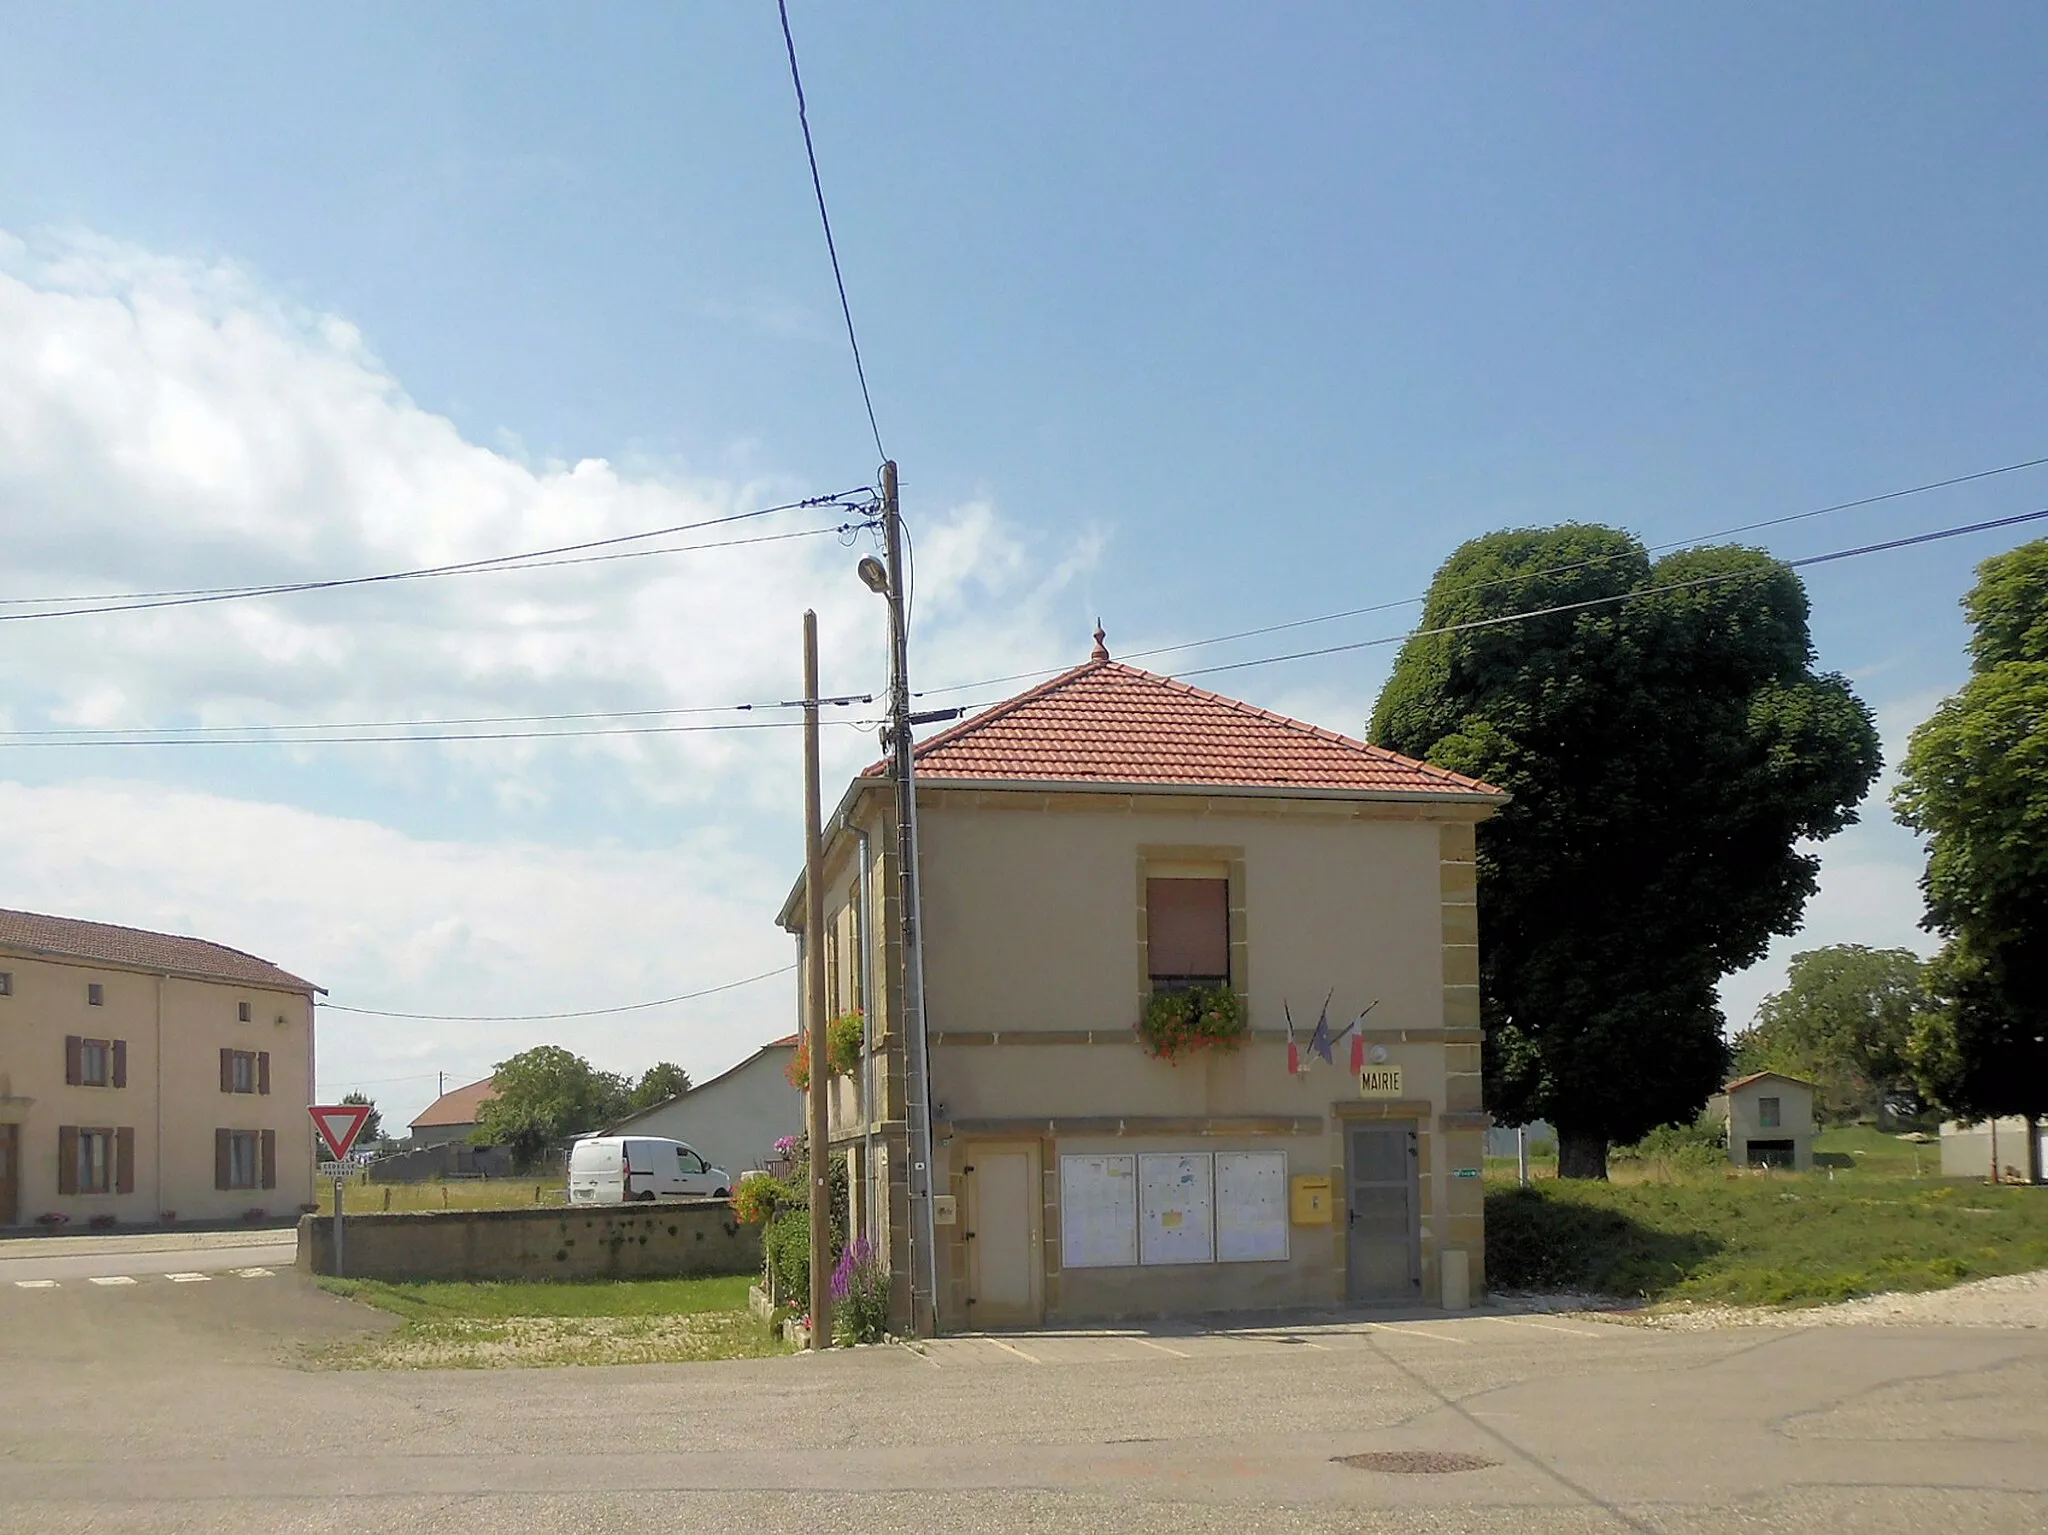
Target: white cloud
(169,424)
(407,924)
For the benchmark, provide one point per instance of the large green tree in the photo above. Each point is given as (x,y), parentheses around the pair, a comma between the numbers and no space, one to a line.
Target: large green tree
(1669,748)
(658,1083)
(543,1097)
(1845,1021)
(1975,783)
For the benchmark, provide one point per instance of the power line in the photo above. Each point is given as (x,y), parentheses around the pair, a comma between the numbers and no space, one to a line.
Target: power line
(532,559)
(803,116)
(1629,596)
(589,1012)
(407,739)
(86,733)
(1402,602)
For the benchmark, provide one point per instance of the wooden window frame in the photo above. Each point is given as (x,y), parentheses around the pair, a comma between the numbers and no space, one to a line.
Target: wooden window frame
(95,994)
(240,1066)
(112,1057)
(262,1151)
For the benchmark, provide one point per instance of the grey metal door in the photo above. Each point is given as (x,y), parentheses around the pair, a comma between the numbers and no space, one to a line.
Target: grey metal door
(1383,1238)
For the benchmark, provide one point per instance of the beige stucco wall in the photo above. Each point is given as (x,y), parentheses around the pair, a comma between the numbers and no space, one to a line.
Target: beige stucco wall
(1795,1116)
(175,1028)
(1034,961)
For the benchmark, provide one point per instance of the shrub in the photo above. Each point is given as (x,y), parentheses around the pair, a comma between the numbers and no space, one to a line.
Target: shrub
(1182,1022)
(1695,1148)
(757,1197)
(860,1295)
(102,1222)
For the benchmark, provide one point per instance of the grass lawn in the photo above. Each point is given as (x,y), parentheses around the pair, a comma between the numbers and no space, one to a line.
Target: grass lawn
(634,1321)
(1778,1239)
(359,1198)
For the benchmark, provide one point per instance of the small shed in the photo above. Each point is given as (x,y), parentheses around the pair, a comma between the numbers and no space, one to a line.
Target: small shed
(1770,1121)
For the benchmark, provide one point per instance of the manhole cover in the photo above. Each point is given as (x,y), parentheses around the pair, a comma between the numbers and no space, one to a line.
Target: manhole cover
(1415,1462)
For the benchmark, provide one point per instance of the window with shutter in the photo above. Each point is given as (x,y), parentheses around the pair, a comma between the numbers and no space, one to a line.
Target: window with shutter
(263,1071)
(120,1063)
(222,1157)
(67,1159)
(270,1159)
(1187,931)
(124,1161)
(95,1063)
(74,1050)
(94,1154)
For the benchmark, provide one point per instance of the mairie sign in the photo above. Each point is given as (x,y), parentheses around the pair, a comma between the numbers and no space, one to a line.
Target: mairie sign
(339,1124)
(1379,1082)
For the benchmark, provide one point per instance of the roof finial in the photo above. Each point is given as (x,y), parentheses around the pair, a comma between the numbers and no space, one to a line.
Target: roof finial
(1101,650)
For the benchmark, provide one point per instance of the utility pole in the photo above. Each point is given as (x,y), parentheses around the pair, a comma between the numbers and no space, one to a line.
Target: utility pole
(814,1000)
(916,1054)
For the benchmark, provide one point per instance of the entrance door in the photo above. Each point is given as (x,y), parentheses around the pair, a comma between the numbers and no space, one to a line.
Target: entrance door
(1002,1234)
(10,1175)
(1383,1215)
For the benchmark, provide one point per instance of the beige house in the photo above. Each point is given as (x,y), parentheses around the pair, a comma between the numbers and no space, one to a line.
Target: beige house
(1109,836)
(1770,1121)
(145,1077)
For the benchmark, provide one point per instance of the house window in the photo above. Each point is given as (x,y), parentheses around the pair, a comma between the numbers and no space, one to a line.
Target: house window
(95,994)
(1187,932)
(6,983)
(95,1062)
(245,1071)
(1768,1114)
(242,1159)
(95,1174)
(242,1011)
(245,1159)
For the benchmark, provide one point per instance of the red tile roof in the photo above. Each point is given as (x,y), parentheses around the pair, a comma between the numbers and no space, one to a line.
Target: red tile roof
(1758,1076)
(75,939)
(458,1106)
(1107,723)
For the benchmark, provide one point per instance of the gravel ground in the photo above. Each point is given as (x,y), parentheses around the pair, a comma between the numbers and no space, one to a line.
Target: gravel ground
(2012,1300)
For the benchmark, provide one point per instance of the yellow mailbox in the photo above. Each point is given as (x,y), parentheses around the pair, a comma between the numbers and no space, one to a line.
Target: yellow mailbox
(1310,1200)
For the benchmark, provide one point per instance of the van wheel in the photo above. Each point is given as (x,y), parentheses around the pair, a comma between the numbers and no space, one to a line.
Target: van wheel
(648,1197)
(723,1194)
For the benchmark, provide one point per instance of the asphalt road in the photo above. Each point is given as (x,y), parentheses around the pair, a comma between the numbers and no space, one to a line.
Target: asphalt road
(32,1260)
(163,1406)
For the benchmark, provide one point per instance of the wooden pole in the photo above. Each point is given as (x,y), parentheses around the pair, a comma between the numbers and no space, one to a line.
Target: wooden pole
(814,1004)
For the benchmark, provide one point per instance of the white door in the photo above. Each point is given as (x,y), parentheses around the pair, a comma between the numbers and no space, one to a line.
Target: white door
(693,1173)
(1002,1234)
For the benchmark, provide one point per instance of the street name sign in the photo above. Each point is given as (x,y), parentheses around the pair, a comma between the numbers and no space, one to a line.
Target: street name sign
(339,1124)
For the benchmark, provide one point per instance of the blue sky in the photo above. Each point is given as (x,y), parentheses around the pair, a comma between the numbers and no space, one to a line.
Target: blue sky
(1199,317)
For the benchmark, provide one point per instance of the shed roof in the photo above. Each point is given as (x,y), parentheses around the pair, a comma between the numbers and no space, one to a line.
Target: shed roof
(1758,1076)
(457,1106)
(138,948)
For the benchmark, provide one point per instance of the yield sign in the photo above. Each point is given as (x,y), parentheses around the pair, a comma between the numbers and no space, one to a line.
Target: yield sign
(339,1124)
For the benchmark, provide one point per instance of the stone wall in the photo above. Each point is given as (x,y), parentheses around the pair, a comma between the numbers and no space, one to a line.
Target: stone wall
(639,1241)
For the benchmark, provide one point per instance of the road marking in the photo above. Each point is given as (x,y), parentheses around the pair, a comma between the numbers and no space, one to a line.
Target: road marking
(1011,1348)
(1522,1321)
(35,1284)
(188,1278)
(1397,1330)
(113,1279)
(1148,1343)
(255,1273)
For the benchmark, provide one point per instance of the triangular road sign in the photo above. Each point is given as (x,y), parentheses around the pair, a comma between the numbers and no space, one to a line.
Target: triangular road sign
(339,1124)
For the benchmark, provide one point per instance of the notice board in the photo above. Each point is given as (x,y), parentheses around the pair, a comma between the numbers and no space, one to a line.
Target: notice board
(1098,1212)
(1176,1207)
(1251,1206)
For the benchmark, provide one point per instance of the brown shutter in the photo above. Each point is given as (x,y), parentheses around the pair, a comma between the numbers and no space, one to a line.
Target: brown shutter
(1187,926)
(120,1054)
(124,1161)
(74,1060)
(263,1071)
(221,1154)
(227,1073)
(67,1159)
(270,1159)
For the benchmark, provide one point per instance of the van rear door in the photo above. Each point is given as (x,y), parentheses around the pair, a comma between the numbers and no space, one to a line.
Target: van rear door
(595,1169)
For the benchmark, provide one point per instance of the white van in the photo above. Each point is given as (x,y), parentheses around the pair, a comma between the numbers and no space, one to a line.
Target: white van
(612,1169)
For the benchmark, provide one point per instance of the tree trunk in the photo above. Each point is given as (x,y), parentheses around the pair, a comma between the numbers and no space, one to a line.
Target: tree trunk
(2033,1124)
(1581,1154)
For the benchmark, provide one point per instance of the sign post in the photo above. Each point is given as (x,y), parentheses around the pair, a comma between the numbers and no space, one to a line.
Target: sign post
(339,1124)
